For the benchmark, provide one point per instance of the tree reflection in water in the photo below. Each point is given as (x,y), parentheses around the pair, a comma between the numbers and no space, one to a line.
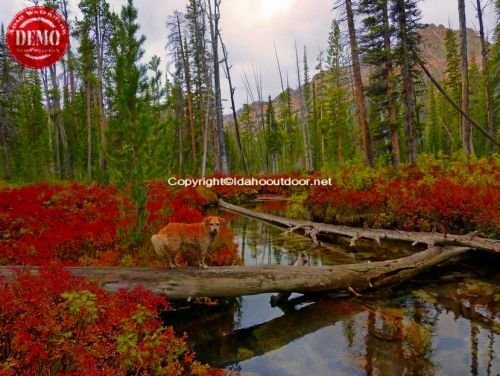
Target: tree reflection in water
(446,322)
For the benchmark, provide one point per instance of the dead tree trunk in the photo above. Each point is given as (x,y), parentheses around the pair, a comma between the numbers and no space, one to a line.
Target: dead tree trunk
(233,106)
(466,127)
(59,122)
(484,55)
(304,125)
(358,87)
(455,105)
(249,280)
(313,229)
(214,18)
(187,79)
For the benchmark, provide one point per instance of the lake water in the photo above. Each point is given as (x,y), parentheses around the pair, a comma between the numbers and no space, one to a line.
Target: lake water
(445,322)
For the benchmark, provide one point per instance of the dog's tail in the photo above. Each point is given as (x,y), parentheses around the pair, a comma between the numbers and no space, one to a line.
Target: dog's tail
(158,244)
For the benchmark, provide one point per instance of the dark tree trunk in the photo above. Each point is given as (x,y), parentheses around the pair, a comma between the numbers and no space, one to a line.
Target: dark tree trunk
(88,96)
(5,149)
(214,36)
(189,95)
(391,105)
(304,119)
(358,87)
(233,108)
(59,122)
(456,106)
(484,55)
(408,89)
(99,41)
(466,126)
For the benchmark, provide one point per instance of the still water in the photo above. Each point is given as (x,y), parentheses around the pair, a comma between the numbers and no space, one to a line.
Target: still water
(445,322)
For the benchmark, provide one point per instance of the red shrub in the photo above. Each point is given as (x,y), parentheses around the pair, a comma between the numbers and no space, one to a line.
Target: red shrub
(57,324)
(413,200)
(41,222)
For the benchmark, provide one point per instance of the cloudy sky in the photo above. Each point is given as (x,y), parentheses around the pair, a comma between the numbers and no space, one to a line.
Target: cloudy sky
(251,28)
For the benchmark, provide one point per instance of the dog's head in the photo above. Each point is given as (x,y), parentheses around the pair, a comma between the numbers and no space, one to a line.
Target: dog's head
(214,224)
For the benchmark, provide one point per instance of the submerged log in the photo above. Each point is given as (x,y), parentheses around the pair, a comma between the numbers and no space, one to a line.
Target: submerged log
(248,280)
(313,229)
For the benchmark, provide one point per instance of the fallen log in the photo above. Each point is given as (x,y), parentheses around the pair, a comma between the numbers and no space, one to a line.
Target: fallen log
(313,229)
(249,280)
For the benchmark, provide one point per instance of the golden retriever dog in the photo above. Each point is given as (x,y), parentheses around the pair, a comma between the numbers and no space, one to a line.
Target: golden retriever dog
(175,236)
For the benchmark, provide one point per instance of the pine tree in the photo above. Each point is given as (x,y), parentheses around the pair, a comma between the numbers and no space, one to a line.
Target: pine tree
(273,136)
(432,134)
(377,51)
(406,16)
(466,127)
(8,84)
(32,155)
(336,126)
(131,115)
(453,84)
(494,74)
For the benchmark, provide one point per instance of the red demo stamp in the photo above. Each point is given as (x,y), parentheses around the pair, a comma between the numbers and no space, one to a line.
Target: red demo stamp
(37,37)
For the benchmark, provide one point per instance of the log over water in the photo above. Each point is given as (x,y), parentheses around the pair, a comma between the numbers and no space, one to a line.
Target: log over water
(248,280)
(313,229)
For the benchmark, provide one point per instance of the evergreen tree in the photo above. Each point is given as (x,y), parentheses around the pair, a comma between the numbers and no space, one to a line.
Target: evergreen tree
(130,112)
(432,133)
(32,154)
(8,86)
(273,136)
(358,87)
(495,73)
(453,84)
(406,16)
(336,126)
(377,51)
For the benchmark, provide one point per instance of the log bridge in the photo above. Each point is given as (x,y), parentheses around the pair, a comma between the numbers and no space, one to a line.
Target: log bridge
(247,280)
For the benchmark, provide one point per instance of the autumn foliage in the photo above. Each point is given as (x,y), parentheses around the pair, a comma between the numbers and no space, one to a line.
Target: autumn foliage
(88,224)
(452,198)
(56,324)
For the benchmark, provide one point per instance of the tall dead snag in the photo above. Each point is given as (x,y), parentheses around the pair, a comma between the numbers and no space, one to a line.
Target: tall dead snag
(465,124)
(303,120)
(358,87)
(65,171)
(214,17)
(233,107)
(182,43)
(484,58)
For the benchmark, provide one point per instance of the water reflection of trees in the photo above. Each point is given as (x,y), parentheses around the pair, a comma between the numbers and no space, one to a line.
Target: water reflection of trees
(261,243)
(397,332)
(391,336)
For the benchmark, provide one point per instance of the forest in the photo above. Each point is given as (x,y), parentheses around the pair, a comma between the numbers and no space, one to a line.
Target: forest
(400,115)
(102,111)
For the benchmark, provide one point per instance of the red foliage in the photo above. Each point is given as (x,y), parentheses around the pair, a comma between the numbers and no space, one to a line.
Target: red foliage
(86,225)
(58,324)
(412,200)
(42,222)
